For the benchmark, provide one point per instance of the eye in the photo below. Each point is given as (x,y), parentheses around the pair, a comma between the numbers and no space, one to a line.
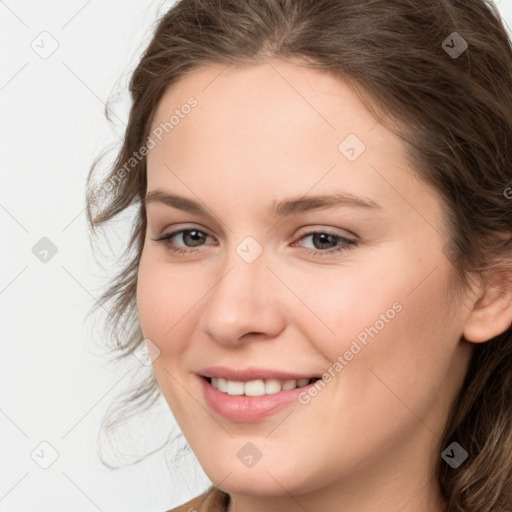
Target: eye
(193,236)
(323,238)
(325,242)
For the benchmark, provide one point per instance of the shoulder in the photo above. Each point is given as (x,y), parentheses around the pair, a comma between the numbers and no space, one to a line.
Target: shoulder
(213,500)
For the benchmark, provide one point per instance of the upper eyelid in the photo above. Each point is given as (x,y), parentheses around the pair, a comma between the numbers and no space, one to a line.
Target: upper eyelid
(311,231)
(346,232)
(182,230)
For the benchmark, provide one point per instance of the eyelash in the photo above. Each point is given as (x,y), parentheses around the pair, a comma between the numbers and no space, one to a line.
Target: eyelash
(346,242)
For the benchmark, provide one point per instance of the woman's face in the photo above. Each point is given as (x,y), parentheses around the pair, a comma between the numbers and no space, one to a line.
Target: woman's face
(312,250)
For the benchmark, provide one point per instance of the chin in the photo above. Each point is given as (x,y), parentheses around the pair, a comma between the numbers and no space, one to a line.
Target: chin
(260,480)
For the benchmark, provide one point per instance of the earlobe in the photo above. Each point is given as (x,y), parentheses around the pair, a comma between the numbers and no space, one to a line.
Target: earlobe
(492,312)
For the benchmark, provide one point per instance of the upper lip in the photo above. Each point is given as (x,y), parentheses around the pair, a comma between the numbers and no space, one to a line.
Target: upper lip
(252,373)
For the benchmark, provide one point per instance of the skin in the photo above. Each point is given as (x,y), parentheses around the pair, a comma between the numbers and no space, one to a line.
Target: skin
(368,441)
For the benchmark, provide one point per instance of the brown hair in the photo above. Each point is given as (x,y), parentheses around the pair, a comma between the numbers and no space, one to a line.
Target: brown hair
(454,113)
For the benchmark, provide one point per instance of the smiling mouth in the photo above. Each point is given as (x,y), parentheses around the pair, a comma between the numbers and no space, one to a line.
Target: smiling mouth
(258,387)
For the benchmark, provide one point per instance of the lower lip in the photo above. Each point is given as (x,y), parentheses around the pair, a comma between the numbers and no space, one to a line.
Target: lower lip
(249,409)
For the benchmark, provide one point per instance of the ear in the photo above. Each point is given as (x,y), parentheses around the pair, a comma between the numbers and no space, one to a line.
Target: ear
(492,312)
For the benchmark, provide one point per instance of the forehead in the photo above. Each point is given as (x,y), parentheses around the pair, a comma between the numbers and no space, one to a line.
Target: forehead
(275,127)
(269,98)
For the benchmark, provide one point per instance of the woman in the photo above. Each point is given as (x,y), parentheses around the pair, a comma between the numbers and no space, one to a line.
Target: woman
(321,260)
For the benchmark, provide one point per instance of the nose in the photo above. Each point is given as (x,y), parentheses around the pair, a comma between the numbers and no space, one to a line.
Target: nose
(243,303)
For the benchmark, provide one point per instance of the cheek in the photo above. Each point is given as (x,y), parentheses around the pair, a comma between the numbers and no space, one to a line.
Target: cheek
(345,304)
(408,362)
(396,317)
(164,303)
(398,342)
(163,300)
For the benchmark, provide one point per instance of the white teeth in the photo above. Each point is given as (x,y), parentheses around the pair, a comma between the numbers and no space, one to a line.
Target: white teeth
(235,388)
(289,384)
(272,386)
(222,384)
(257,387)
(254,388)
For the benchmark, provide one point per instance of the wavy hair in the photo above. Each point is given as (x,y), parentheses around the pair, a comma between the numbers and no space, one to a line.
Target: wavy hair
(454,114)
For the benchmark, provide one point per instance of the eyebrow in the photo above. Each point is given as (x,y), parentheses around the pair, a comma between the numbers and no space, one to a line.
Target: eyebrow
(283,208)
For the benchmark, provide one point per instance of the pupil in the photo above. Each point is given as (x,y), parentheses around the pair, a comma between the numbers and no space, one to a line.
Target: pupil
(324,238)
(196,235)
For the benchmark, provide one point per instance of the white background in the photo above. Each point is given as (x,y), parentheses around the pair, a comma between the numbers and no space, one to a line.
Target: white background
(55,382)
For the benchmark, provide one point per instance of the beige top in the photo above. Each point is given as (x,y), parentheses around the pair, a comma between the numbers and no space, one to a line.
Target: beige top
(213,500)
